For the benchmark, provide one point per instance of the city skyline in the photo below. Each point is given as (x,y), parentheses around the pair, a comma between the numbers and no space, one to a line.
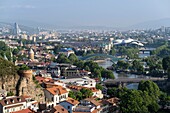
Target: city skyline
(67,13)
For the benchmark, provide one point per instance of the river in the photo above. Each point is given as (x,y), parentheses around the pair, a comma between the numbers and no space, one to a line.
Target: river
(108,63)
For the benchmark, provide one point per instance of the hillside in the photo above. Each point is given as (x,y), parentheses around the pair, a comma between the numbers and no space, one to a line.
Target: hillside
(153,24)
(18,85)
(7,68)
(8,76)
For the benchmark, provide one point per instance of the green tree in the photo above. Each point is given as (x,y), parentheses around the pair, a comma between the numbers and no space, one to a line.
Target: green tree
(73,58)
(24,67)
(166,63)
(79,64)
(164,99)
(86,93)
(79,95)
(72,94)
(3,46)
(15,51)
(112,92)
(130,52)
(122,64)
(137,67)
(57,49)
(62,59)
(107,74)
(150,87)
(153,91)
(153,107)
(112,51)
(7,68)
(132,102)
(97,73)
(99,86)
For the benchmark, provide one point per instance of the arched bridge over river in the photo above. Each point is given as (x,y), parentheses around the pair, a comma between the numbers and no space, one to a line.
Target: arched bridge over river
(113,58)
(124,81)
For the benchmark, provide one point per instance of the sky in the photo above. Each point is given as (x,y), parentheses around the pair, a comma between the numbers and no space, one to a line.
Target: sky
(110,13)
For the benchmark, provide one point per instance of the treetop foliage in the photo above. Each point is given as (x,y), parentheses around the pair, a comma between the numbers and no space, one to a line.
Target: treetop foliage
(7,68)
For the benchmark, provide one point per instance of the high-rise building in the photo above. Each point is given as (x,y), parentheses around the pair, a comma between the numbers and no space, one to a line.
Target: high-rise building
(17,30)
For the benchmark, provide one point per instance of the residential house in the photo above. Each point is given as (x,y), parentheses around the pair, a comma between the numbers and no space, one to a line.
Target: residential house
(59,109)
(69,104)
(89,105)
(12,104)
(17,103)
(55,94)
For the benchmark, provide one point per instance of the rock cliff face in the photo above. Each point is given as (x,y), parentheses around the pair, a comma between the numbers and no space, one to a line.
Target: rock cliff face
(9,83)
(8,76)
(28,87)
(21,84)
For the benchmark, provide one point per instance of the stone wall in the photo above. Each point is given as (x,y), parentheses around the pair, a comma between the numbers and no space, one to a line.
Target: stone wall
(9,83)
(22,85)
(28,87)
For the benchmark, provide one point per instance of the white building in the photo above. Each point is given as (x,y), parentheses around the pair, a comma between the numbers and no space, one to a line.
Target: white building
(88,105)
(55,94)
(127,41)
(85,81)
(17,103)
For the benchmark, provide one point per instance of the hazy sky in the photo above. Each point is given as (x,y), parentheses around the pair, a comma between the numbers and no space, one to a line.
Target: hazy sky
(114,13)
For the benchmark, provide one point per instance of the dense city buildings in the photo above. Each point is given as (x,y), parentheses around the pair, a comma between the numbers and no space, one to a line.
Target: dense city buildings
(58,72)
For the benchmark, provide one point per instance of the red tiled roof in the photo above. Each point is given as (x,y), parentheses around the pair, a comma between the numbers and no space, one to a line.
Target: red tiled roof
(93,89)
(12,100)
(43,79)
(96,103)
(72,101)
(59,109)
(57,90)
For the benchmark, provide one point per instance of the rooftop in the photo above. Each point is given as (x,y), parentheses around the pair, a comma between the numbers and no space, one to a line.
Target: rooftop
(93,101)
(93,89)
(57,90)
(12,100)
(59,109)
(72,101)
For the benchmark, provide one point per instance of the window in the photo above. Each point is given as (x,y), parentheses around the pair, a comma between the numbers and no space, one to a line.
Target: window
(68,107)
(52,99)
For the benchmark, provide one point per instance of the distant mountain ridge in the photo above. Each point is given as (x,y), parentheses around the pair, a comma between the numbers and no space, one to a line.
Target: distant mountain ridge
(153,24)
